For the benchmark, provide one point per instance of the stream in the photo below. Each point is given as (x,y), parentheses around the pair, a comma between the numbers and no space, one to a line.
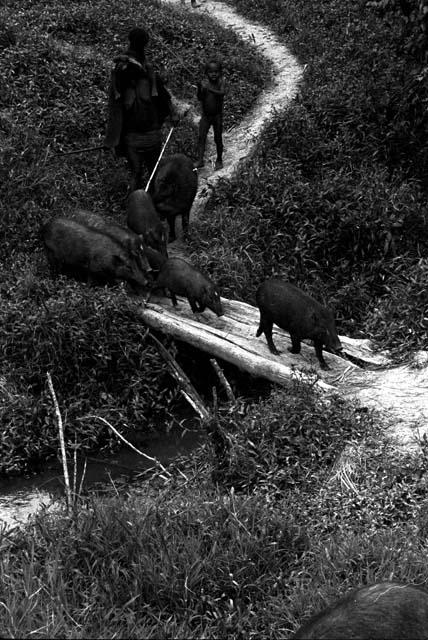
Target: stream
(20,498)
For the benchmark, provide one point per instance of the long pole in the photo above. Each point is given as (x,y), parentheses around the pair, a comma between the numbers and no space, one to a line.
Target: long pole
(159,159)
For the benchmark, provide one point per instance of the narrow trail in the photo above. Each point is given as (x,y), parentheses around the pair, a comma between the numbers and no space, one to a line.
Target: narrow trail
(241,140)
(400,393)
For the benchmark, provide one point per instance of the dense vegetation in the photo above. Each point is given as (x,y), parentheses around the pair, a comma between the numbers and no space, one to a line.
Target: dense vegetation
(295,499)
(56,72)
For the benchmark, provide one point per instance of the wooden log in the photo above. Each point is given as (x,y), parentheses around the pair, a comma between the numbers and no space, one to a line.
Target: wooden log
(230,340)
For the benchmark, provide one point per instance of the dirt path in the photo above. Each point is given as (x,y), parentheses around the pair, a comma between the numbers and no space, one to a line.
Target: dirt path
(240,141)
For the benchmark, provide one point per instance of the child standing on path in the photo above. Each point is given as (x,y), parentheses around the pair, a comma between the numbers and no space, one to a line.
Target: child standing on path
(211,94)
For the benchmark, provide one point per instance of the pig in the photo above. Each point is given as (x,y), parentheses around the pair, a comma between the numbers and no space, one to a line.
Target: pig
(87,253)
(384,610)
(156,259)
(173,190)
(143,220)
(133,242)
(284,304)
(182,279)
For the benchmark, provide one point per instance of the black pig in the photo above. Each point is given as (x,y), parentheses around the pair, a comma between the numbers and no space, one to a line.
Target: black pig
(385,610)
(173,190)
(131,241)
(86,253)
(181,279)
(156,259)
(282,303)
(143,220)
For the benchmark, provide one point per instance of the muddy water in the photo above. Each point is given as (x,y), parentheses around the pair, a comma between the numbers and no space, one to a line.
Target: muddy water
(21,498)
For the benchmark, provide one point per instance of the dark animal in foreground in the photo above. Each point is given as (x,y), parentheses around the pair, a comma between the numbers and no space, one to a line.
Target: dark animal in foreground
(143,220)
(131,241)
(86,253)
(282,303)
(182,279)
(382,611)
(173,190)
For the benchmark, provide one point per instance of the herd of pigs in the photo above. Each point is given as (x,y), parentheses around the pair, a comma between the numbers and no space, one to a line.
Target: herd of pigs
(91,247)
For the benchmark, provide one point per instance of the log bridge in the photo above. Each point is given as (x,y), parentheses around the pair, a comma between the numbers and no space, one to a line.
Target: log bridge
(400,393)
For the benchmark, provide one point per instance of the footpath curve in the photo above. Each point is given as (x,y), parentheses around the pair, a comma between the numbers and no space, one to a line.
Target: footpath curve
(241,140)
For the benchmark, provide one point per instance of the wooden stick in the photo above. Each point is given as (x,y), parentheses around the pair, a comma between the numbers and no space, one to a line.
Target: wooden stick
(186,387)
(62,443)
(159,464)
(84,150)
(223,380)
(75,464)
(82,478)
(159,159)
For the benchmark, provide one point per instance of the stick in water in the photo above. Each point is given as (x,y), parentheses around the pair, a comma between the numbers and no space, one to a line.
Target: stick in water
(159,464)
